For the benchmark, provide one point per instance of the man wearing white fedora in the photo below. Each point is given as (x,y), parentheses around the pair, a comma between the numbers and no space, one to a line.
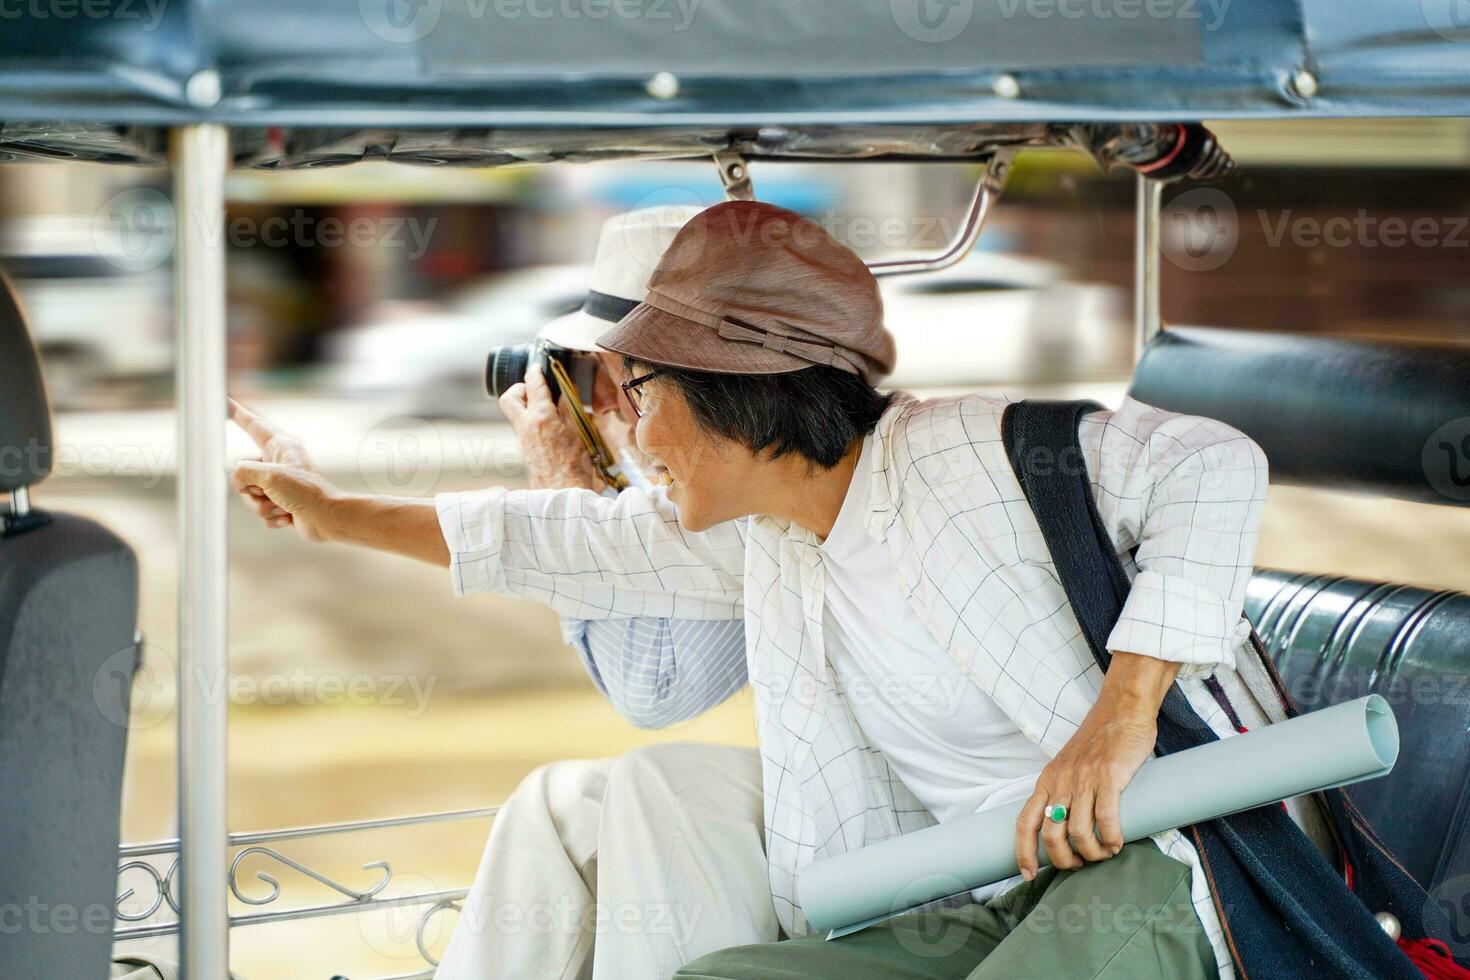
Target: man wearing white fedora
(615,869)
(625,868)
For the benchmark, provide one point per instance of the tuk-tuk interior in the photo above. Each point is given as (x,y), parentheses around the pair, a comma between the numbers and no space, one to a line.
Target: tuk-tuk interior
(276,87)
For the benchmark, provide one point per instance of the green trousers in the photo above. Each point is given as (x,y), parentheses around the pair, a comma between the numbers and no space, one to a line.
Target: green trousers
(1128,918)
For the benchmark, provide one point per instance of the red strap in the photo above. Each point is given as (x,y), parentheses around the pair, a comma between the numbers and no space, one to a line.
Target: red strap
(1433,959)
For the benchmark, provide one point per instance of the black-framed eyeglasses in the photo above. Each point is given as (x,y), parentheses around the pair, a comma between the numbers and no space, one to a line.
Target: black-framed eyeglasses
(633,388)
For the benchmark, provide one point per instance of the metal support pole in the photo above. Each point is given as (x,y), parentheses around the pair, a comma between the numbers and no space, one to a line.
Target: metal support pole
(200,158)
(20,502)
(1146,254)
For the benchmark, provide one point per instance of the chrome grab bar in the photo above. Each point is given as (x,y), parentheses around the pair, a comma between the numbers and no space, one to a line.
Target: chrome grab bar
(987,190)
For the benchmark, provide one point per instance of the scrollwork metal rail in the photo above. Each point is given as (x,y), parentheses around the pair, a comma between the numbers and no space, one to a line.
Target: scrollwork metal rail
(133,858)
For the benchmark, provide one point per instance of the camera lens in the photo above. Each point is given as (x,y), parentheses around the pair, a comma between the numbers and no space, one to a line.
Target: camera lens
(506,366)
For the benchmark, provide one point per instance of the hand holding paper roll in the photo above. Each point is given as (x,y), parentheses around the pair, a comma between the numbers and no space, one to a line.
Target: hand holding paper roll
(1335,746)
(1082,786)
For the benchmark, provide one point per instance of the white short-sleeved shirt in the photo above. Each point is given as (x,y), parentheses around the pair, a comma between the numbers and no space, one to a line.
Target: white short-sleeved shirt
(948,741)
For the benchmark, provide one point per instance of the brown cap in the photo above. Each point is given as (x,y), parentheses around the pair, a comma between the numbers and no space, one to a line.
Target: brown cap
(750,288)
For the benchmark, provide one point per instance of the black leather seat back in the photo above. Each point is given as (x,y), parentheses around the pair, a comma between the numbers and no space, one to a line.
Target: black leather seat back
(1386,418)
(1335,639)
(68,614)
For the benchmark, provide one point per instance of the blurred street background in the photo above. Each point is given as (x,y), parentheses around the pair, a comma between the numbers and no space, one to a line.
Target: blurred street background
(363,302)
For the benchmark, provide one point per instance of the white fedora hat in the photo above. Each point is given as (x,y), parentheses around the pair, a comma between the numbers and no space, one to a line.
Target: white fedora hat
(628,250)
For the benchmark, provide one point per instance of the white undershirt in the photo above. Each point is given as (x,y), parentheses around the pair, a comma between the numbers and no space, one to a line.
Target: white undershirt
(945,738)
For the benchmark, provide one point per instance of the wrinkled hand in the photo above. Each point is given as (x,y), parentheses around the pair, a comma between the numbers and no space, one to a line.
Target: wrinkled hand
(282,485)
(553,452)
(1088,777)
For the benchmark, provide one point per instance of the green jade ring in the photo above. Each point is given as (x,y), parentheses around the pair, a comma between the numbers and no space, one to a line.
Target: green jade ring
(1056,813)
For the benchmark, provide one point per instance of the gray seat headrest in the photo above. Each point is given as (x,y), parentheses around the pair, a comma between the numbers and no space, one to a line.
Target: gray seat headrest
(25,417)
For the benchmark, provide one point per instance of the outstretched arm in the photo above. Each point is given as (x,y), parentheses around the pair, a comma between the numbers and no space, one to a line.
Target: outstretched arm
(583,554)
(593,557)
(285,489)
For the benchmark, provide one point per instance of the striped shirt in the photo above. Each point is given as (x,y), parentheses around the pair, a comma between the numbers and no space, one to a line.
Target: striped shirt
(658,672)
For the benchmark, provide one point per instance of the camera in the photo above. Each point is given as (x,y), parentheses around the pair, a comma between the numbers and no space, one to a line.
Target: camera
(507,366)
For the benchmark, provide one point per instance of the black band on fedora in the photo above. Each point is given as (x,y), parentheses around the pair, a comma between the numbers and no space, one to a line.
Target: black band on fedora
(606,306)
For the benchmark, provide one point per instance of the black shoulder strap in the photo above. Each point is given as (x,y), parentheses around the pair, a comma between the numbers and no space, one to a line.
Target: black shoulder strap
(1041,442)
(1259,863)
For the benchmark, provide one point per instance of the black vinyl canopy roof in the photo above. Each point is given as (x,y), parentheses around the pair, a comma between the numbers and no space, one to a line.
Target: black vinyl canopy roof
(485,82)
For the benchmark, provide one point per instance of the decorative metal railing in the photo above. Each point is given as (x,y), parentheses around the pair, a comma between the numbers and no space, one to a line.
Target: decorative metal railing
(135,860)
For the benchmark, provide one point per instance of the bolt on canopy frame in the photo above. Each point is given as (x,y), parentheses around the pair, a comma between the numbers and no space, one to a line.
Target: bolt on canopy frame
(284,84)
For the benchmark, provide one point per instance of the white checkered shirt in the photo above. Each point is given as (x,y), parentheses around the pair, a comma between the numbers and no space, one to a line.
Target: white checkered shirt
(1186,492)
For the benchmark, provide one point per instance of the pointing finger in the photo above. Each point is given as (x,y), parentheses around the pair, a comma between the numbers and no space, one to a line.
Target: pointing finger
(256,426)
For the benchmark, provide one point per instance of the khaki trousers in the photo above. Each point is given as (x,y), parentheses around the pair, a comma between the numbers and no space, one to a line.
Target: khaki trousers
(619,869)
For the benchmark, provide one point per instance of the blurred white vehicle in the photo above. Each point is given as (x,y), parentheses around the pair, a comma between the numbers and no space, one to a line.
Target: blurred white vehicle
(95,319)
(996,319)
(431,362)
(991,318)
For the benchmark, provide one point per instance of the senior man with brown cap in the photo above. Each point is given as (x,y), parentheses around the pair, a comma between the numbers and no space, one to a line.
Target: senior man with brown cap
(913,654)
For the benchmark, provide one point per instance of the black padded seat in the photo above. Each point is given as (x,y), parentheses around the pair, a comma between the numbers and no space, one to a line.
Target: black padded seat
(1385,417)
(1335,639)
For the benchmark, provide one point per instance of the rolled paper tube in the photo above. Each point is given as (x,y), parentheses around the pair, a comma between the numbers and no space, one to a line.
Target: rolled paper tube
(1331,747)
